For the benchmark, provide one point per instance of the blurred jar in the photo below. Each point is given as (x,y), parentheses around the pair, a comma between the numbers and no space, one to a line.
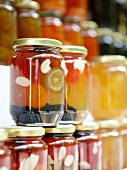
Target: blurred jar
(37,82)
(90,37)
(89,146)
(72,31)
(112,146)
(105,40)
(5,155)
(78,9)
(108,92)
(28,151)
(28,19)
(8,31)
(76,84)
(62,147)
(52,26)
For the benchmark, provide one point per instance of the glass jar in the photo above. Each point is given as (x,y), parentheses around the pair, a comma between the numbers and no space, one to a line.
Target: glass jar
(28,19)
(5,155)
(89,146)
(76,84)
(52,26)
(112,152)
(72,31)
(62,147)
(28,150)
(108,82)
(8,31)
(90,37)
(37,82)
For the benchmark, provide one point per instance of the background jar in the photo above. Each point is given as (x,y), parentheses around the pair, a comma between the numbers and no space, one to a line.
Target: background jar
(8,31)
(112,146)
(28,19)
(52,26)
(108,82)
(27,148)
(37,82)
(5,155)
(76,84)
(62,147)
(90,38)
(89,146)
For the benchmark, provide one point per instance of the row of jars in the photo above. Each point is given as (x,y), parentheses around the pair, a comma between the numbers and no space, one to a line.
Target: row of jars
(92,145)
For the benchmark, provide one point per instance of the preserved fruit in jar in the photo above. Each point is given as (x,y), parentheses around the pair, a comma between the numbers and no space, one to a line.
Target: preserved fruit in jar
(37,81)
(89,146)
(76,84)
(108,92)
(62,147)
(28,151)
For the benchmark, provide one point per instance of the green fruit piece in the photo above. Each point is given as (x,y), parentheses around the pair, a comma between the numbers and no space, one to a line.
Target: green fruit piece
(54,79)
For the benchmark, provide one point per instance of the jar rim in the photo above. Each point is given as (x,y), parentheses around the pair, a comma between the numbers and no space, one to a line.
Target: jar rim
(89,25)
(87,126)
(37,41)
(48,13)
(3,134)
(108,124)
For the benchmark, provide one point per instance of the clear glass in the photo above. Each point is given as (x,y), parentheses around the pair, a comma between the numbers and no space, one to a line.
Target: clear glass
(37,85)
(90,150)
(76,88)
(62,151)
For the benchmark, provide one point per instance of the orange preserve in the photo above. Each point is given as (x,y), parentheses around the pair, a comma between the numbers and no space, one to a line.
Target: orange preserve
(28,151)
(90,37)
(37,81)
(52,26)
(28,19)
(76,84)
(89,146)
(72,31)
(5,154)
(112,149)
(108,92)
(62,148)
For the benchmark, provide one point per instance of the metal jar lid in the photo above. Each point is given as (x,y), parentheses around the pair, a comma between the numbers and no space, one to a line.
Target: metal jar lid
(49,14)
(61,129)
(37,41)
(3,134)
(21,131)
(89,24)
(87,126)
(123,122)
(104,32)
(108,124)
(74,49)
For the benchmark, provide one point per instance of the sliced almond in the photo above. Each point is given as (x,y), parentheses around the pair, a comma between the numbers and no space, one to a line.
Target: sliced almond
(85,165)
(45,66)
(22,81)
(69,160)
(64,67)
(4,168)
(22,164)
(50,160)
(95,148)
(62,153)
(79,65)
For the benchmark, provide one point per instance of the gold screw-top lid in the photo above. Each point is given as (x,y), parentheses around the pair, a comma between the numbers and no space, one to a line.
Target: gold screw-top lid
(71,19)
(118,36)
(108,124)
(21,131)
(109,58)
(61,129)
(27,4)
(3,134)
(104,32)
(74,49)
(37,41)
(89,24)
(50,14)
(87,126)
(123,122)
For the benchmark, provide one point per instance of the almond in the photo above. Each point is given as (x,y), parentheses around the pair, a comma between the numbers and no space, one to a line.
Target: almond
(62,153)
(85,165)
(22,81)
(69,160)
(45,66)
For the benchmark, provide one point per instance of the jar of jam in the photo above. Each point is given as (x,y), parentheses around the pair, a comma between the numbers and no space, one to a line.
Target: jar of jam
(76,84)
(90,37)
(89,146)
(62,147)
(8,31)
(108,82)
(28,151)
(72,31)
(5,155)
(37,82)
(28,19)
(112,146)
(52,26)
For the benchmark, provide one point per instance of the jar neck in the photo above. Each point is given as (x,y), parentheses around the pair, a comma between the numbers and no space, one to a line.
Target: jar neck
(26,138)
(70,55)
(60,135)
(84,133)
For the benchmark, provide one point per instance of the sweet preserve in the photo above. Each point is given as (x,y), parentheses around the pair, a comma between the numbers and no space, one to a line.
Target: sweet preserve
(37,81)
